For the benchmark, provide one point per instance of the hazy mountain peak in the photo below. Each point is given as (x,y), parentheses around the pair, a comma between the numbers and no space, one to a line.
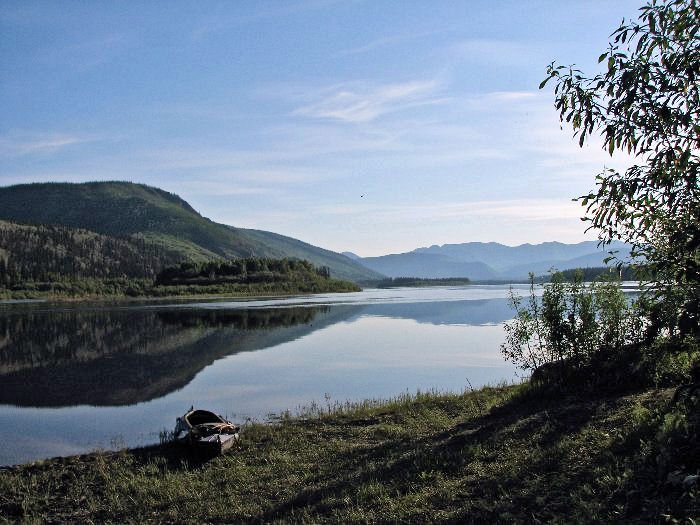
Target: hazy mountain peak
(492,260)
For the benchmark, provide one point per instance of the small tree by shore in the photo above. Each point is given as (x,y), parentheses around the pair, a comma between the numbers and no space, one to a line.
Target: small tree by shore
(647,102)
(572,322)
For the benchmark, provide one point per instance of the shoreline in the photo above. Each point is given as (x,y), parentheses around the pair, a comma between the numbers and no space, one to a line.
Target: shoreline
(497,454)
(149,298)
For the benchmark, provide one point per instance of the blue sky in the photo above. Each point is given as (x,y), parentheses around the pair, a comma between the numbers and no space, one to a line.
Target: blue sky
(368,126)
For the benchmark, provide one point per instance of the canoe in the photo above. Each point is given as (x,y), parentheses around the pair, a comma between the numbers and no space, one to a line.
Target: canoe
(206,431)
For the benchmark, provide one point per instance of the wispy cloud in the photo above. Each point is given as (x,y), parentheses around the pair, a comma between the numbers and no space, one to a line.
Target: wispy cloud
(261,167)
(365,103)
(222,188)
(510,95)
(387,41)
(379,229)
(374,44)
(212,24)
(87,54)
(20,145)
(496,52)
(532,210)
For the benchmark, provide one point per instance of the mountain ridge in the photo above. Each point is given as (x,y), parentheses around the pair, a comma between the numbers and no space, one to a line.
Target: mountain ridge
(492,260)
(428,265)
(127,209)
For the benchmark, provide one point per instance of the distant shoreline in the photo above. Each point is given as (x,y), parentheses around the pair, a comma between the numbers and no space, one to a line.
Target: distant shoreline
(150,298)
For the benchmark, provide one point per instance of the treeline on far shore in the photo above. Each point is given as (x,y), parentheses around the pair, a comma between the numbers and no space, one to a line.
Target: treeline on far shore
(290,277)
(625,273)
(252,275)
(595,273)
(55,261)
(395,282)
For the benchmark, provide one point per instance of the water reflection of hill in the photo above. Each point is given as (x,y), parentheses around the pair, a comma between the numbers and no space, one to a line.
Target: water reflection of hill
(122,357)
(115,356)
(472,312)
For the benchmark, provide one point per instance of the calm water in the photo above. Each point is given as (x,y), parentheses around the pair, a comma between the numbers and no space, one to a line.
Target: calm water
(75,378)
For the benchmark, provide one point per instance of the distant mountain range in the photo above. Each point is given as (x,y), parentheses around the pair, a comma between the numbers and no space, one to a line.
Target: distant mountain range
(485,261)
(143,214)
(128,210)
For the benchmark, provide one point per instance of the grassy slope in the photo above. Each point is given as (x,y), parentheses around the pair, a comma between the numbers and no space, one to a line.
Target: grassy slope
(123,208)
(499,455)
(342,266)
(119,208)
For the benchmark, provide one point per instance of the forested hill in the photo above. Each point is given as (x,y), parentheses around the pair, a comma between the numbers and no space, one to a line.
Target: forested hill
(281,246)
(163,219)
(57,253)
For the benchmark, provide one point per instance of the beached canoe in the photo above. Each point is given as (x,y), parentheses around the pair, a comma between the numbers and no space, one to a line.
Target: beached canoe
(206,431)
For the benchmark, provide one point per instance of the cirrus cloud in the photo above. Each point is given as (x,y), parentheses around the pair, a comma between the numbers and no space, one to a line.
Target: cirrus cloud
(366,103)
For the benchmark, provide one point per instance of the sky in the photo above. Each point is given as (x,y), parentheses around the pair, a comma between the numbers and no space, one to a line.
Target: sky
(367,126)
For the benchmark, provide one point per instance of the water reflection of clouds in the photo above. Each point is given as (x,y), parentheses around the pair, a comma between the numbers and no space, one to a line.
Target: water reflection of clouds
(16,443)
(370,296)
(243,362)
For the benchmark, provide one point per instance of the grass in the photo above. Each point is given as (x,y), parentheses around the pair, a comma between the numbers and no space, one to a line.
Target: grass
(507,454)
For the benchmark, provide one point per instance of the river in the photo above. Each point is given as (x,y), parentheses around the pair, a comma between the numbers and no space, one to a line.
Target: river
(77,377)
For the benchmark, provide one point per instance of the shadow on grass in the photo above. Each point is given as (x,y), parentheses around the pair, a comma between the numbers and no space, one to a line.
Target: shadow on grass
(172,456)
(401,465)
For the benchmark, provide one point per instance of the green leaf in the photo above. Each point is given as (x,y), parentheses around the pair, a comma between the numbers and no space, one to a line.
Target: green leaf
(611,64)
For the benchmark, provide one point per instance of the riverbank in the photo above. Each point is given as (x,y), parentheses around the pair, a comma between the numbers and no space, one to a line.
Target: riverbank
(504,454)
(180,292)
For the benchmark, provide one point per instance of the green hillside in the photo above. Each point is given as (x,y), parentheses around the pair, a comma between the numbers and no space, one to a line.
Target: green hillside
(283,246)
(126,209)
(49,253)
(60,261)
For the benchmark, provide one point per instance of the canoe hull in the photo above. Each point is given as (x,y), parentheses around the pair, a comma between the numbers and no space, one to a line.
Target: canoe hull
(206,432)
(215,444)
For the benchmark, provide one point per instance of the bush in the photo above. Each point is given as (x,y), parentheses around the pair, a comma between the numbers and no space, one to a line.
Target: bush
(669,362)
(571,324)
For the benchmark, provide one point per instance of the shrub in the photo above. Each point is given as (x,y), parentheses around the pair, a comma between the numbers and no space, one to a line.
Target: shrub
(570,324)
